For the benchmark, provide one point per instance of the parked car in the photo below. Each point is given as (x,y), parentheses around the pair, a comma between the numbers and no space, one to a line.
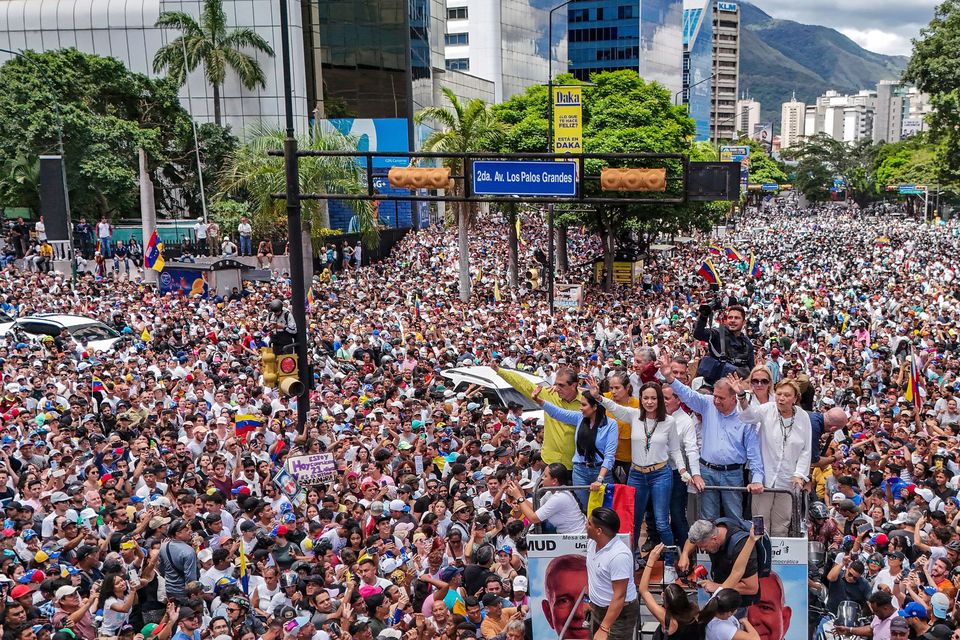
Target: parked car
(496,392)
(92,334)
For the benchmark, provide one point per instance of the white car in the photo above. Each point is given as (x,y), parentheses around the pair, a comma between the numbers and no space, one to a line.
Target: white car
(92,334)
(496,391)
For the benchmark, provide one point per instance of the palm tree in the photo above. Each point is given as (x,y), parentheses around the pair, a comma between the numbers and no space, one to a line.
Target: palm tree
(464,128)
(249,173)
(210,43)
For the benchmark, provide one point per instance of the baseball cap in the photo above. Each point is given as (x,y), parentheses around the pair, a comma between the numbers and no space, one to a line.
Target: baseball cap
(63,592)
(913,610)
(520,583)
(937,632)
(899,624)
(398,505)
(449,572)
(939,603)
(19,591)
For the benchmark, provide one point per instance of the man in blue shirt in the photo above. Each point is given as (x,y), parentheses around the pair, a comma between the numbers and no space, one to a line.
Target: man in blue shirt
(728,444)
(187,621)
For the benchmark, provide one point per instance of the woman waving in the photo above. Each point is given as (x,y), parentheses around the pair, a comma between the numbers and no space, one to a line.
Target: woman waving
(595,439)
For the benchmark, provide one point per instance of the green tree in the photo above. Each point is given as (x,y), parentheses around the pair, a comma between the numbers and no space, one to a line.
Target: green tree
(821,159)
(211,43)
(20,182)
(935,69)
(249,174)
(463,128)
(107,113)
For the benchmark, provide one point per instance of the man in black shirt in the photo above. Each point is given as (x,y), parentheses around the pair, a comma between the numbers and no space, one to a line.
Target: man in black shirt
(845,582)
(723,541)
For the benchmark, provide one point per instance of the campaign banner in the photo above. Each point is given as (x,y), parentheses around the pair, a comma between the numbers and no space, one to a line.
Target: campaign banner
(781,613)
(568,295)
(312,469)
(567,120)
(373,134)
(739,154)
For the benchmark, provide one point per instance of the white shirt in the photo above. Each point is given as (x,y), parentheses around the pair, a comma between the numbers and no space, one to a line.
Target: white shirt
(785,450)
(689,441)
(244,229)
(607,565)
(103,229)
(663,444)
(563,512)
(718,629)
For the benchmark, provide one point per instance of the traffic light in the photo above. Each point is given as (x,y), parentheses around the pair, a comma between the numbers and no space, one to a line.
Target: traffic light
(633,179)
(420,178)
(533,278)
(288,371)
(268,361)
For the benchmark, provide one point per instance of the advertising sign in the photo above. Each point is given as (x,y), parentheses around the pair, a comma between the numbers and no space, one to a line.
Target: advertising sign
(763,133)
(312,469)
(535,178)
(373,134)
(568,295)
(739,154)
(567,120)
(781,613)
(727,6)
(183,282)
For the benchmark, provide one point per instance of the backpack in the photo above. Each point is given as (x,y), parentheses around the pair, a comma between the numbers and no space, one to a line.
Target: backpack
(763,547)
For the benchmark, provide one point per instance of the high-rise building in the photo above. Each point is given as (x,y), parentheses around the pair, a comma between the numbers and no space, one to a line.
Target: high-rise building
(791,122)
(888,119)
(504,42)
(748,117)
(643,35)
(726,70)
(698,63)
(848,118)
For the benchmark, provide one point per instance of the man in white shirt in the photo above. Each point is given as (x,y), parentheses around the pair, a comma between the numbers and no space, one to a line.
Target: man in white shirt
(200,229)
(613,594)
(245,231)
(104,234)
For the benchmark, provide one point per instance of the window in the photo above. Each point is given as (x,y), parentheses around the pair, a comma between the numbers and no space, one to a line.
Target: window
(578,15)
(452,39)
(597,34)
(625,13)
(458,64)
(457,13)
(599,13)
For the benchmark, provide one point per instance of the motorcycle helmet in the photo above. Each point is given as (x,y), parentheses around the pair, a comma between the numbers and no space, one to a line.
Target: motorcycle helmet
(818,511)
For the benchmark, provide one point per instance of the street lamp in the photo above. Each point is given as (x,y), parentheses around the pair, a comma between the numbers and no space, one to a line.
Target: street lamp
(677,94)
(550,229)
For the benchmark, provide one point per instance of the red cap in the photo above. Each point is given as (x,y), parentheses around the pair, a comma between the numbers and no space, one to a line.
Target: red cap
(38,576)
(20,590)
(282,530)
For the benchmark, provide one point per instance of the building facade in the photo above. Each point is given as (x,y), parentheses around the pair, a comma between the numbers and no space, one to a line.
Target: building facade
(726,70)
(791,123)
(504,42)
(642,35)
(748,117)
(698,63)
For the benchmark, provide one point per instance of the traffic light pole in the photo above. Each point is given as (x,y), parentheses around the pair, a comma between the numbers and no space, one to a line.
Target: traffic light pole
(294,225)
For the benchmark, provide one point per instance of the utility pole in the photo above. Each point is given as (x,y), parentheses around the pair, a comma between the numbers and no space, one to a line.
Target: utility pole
(294,225)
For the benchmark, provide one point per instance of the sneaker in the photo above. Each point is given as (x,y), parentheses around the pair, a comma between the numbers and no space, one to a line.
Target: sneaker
(669,575)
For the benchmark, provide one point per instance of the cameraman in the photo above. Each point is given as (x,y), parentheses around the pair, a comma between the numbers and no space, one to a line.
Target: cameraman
(282,327)
(729,348)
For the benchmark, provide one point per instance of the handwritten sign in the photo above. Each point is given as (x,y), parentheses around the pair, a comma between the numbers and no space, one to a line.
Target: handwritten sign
(312,469)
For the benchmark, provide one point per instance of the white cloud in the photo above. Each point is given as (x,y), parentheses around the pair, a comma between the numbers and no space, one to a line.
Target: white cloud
(879,41)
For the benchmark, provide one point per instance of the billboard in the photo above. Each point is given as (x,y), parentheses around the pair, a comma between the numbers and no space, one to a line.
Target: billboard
(781,613)
(739,154)
(567,120)
(373,134)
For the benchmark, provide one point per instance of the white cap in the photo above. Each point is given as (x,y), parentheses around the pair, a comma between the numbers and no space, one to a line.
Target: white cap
(520,583)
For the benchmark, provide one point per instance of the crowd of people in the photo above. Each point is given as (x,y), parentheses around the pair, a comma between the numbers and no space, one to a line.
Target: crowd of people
(136,506)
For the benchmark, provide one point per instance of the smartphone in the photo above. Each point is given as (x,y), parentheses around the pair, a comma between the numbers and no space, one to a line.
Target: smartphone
(758,525)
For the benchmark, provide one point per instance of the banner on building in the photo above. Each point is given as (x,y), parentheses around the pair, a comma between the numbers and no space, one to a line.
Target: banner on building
(567,120)
(763,133)
(781,613)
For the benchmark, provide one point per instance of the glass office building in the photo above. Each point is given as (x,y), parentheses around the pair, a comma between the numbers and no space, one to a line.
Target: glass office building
(697,66)
(643,35)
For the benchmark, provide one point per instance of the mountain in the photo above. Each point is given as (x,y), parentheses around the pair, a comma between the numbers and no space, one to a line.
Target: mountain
(780,57)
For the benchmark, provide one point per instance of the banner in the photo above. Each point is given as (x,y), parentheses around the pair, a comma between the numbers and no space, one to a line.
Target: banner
(781,613)
(763,133)
(568,295)
(739,154)
(312,469)
(567,120)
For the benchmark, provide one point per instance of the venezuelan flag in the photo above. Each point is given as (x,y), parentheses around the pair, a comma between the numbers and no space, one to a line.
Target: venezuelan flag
(754,268)
(715,250)
(416,306)
(620,498)
(496,291)
(153,255)
(913,392)
(97,384)
(519,237)
(246,423)
(244,574)
(732,254)
(709,272)
(310,298)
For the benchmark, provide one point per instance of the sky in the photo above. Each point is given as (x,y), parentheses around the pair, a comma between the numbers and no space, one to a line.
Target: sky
(882,26)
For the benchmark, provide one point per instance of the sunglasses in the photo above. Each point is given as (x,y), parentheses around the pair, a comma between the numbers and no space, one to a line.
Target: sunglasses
(759,381)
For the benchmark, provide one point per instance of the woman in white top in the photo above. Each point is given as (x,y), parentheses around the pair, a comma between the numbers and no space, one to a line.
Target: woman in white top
(785,443)
(653,442)
(761,385)
(723,624)
(116,600)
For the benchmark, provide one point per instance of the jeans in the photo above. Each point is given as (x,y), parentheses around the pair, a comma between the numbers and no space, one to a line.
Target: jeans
(655,487)
(679,499)
(246,245)
(582,475)
(105,248)
(710,501)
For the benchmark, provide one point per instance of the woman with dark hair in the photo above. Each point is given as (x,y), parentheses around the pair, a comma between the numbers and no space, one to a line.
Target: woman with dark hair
(621,392)
(559,510)
(654,441)
(595,438)
(718,616)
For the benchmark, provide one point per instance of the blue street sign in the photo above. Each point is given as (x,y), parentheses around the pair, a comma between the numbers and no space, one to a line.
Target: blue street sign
(517,178)
(769,186)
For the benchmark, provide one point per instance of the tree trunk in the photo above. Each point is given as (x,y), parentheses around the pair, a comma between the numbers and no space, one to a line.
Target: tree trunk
(563,262)
(513,246)
(463,223)
(216,104)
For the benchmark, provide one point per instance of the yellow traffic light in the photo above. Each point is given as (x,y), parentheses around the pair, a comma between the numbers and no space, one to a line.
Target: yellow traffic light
(633,179)
(288,371)
(268,362)
(533,278)
(420,178)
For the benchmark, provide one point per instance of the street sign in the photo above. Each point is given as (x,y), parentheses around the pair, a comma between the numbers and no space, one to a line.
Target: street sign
(521,178)
(767,186)
(912,189)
